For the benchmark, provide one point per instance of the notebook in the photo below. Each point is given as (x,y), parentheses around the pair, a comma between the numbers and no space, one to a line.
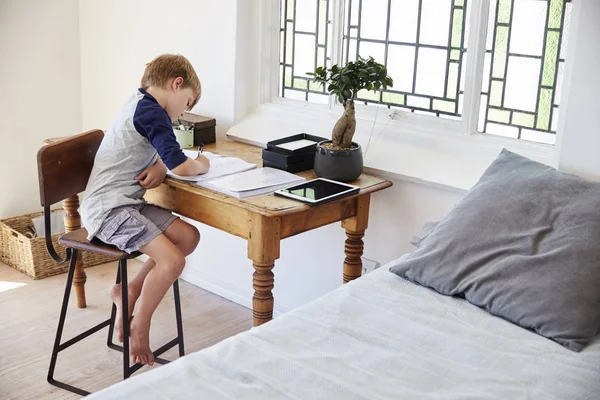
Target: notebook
(255,182)
(219,166)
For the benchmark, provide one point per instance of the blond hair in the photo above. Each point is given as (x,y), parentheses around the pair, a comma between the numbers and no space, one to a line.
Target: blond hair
(165,67)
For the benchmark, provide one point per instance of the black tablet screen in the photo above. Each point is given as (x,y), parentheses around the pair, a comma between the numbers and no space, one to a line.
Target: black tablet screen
(317,189)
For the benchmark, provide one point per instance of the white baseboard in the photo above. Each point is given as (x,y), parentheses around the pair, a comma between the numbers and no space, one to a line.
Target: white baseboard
(224,289)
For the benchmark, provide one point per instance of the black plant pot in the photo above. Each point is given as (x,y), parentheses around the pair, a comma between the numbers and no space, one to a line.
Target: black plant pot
(339,165)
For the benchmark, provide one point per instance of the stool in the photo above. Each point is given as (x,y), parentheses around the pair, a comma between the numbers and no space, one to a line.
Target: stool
(64,169)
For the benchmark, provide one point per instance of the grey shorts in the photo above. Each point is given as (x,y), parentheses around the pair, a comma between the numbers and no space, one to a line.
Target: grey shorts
(132,227)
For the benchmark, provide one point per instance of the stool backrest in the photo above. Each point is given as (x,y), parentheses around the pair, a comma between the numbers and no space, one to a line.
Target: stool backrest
(64,167)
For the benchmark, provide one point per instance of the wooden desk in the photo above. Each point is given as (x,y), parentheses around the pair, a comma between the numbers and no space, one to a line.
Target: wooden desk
(263,221)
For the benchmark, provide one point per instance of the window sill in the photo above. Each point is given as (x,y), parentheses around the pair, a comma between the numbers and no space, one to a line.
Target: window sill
(390,148)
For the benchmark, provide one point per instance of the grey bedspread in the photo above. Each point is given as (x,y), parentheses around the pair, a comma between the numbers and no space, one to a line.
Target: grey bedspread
(379,337)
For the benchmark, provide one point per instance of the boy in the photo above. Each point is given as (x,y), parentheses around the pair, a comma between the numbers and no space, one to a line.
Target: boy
(134,156)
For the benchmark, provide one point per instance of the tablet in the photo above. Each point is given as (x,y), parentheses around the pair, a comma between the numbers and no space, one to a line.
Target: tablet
(318,191)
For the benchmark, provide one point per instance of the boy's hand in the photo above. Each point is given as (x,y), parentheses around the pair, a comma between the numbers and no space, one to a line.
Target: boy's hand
(205,161)
(152,176)
(191,167)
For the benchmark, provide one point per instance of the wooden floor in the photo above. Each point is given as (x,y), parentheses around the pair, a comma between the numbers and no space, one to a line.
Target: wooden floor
(29,314)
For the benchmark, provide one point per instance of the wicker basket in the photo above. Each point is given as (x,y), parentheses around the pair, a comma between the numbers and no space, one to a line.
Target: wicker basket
(30,256)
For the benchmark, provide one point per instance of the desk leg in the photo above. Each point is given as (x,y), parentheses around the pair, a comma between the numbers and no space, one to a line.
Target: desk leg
(263,282)
(355,230)
(263,250)
(73,223)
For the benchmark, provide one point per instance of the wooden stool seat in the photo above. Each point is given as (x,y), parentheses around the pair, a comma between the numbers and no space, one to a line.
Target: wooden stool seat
(78,240)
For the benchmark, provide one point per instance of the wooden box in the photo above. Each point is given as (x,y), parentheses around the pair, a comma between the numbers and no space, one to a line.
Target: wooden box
(29,255)
(204,128)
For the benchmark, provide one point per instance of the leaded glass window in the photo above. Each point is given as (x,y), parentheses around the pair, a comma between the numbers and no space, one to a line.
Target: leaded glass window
(421,42)
(305,39)
(523,69)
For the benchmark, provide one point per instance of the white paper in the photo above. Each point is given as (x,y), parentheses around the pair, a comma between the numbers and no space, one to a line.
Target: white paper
(194,153)
(298,144)
(255,179)
(256,182)
(219,166)
(238,178)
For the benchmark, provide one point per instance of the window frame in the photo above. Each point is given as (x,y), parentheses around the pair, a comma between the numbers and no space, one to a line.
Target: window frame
(401,122)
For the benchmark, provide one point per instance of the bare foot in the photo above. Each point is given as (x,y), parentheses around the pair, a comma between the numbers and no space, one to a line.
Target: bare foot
(140,342)
(115,295)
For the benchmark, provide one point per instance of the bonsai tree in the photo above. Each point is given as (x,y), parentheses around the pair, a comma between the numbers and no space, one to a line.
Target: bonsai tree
(345,83)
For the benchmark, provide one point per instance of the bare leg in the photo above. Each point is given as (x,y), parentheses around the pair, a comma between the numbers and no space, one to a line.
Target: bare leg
(169,264)
(134,288)
(185,237)
(170,260)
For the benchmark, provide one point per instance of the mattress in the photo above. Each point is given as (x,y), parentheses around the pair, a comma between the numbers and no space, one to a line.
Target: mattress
(379,337)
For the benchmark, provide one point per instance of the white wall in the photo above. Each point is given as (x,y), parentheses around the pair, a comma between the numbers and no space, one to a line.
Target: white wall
(579,127)
(246,67)
(119,37)
(40,91)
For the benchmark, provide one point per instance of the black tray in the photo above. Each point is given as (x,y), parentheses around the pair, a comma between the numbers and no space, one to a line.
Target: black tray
(299,167)
(286,159)
(274,144)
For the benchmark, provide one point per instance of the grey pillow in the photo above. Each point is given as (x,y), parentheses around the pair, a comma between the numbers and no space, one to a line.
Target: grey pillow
(425,230)
(524,244)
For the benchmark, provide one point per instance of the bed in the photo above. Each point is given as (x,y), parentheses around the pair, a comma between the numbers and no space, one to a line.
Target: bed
(377,337)
(500,300)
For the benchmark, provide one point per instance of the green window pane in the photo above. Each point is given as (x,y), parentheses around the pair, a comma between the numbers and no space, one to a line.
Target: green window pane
(457,22)
(368,95)
(522,119)
(503,11)
(543,113)
(315,86)
(550,55)
(499,115)
(300,83)
(288,76)
(459,3)
(393,98)
(446,106)
(500,52)
(555,17)
(452,88)
(496,93)
(455,55)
